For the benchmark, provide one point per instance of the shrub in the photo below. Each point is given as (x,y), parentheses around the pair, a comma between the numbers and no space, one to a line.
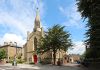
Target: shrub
(2,54)
(20,61)
(46,61)
(31,63)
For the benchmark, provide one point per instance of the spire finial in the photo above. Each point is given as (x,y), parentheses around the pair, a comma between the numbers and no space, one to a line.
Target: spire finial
(37,11)
(37,14)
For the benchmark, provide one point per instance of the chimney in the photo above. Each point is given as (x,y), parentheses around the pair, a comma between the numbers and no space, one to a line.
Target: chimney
(5,43)
(10,43)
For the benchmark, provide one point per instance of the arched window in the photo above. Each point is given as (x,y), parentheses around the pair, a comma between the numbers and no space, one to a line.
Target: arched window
(35,43)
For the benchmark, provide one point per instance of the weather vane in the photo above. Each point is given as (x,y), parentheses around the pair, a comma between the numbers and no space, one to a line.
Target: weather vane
(36,4)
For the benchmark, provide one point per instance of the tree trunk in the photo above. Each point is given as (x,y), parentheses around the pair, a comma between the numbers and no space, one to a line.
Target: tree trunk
(54,57)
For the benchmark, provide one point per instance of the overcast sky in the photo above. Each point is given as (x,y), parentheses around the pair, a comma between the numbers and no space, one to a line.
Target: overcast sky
(17,17)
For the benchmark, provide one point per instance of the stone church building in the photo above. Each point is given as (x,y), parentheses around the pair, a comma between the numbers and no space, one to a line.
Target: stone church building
(32,39)
(32,43)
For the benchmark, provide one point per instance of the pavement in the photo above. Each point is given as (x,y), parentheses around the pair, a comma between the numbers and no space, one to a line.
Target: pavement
(41,67)
(19,66)
(72,65)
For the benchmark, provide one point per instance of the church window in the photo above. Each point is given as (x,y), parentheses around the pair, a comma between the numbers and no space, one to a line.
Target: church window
(35,43)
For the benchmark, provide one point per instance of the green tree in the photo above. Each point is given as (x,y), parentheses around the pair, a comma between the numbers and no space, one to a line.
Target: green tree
(55,38)
(2,54)
(90,9)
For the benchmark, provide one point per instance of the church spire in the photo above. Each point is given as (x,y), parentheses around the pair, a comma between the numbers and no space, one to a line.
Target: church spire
(37,20)
(37,15)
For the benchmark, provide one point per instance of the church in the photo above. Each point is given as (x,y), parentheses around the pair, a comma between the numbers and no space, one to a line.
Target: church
(33,38)
(30,48)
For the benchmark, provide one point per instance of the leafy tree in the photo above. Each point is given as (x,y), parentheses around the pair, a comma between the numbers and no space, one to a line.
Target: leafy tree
(90,9)
(2,54)
(55,38)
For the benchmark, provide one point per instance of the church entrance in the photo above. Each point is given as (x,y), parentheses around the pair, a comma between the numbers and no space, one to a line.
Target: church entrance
(35,58)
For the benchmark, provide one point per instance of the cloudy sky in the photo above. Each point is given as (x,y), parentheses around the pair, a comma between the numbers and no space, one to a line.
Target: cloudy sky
(17,17)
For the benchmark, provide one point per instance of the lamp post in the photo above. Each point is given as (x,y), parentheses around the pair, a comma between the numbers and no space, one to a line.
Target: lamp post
(16,47)
(15,62)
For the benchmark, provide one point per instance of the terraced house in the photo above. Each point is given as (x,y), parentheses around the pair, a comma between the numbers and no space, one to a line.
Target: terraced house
(12,50)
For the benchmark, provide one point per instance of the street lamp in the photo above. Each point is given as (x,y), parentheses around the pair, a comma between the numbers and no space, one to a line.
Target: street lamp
(15,62)
(16,47)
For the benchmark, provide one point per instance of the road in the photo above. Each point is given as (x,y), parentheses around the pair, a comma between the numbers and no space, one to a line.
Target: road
(40,67)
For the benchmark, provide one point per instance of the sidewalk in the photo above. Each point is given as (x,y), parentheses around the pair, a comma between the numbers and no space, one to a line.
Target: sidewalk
(7,64)
(22,66)
(28,66)
(72,65)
